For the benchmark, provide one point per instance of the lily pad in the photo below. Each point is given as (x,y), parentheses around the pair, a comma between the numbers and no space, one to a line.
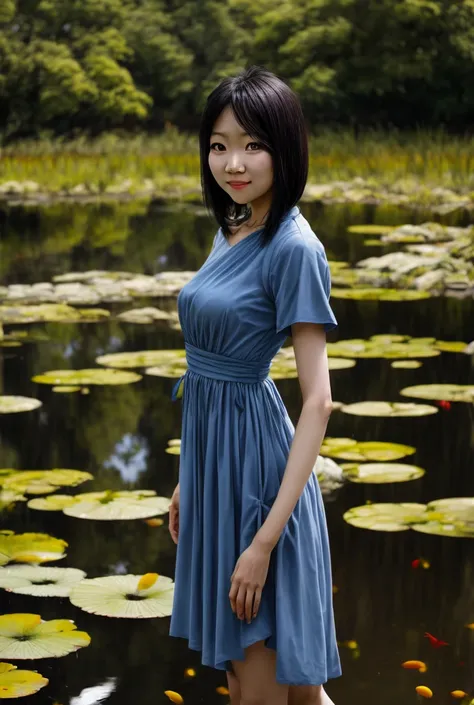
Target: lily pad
(406,364)
(144,315)
(378,294)
(385,517)
(453,517)
(350,449)
(27,636)
(66,389)
(87,377)
(9,497)
(110,505)
(53,503)
(174,446)
(385,408)
(15,405)
(172,362)
(30,548)
(380,473)
(382,346)
(39,581)
(372,229)
(43,481)
(121,596)
(16,683)
(59,313)
(444,392)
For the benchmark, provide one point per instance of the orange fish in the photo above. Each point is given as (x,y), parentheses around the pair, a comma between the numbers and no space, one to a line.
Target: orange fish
(424,691)
(222,690)
(458,694)
(445,404)
(415,665)
(435,643)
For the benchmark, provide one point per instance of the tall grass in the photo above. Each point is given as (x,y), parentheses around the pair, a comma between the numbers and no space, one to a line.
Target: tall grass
(433,158)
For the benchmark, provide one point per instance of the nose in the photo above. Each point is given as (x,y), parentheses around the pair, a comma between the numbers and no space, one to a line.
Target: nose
(234,163)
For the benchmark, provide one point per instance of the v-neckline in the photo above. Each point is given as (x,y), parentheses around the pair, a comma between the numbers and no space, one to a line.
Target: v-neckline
(231,247)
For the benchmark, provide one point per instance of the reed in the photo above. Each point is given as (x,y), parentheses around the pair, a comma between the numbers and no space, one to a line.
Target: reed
(388,159)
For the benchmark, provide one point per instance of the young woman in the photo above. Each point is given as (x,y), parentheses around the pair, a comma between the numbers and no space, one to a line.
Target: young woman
(253,588)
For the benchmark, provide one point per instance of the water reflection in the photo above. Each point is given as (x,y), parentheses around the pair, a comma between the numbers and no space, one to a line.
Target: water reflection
(119,434)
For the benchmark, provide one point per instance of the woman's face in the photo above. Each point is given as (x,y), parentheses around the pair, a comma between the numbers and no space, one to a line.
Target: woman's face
(234,156)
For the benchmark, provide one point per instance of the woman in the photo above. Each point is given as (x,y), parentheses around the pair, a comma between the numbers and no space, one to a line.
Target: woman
(253,588)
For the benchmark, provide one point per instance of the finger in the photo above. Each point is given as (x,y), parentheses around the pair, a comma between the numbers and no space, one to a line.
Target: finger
(256,602)
(248,605)
(240,602)
(232,596)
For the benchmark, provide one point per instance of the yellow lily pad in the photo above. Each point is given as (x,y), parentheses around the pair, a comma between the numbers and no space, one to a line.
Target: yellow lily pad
(406,364)
(27,636)
(30,548)
(445,392)
(15,405)
(53,503)
(110,505)
(372,229)
(385,408)
(172,362)
(66,389)
(87,377)
(16,683)
(43,481)
(385,517)
(374,294)
(39,581)
(51,313)
(120,596)
(378,473)
(350,449)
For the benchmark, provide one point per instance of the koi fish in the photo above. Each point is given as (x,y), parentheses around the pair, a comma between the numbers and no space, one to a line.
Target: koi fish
(424,691)
(416,665)
(444,404)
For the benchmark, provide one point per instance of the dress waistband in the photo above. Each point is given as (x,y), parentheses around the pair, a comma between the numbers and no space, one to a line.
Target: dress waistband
(216,366)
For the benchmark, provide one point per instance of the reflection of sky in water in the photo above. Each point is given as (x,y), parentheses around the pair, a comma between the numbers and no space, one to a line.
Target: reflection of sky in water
(71,348)
(129,457)
(95,694)
(114,343)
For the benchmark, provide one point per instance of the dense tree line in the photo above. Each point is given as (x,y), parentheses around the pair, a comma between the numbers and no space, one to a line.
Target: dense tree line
(93,65)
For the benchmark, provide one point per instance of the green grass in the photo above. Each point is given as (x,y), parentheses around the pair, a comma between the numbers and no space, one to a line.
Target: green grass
(388,159)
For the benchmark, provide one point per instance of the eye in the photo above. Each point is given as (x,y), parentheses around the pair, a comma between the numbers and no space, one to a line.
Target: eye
(221,145)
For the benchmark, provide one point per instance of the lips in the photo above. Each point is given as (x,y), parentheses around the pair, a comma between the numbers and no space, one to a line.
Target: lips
(238,184)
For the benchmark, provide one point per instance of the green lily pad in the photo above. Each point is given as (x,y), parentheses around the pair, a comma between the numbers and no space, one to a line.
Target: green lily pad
(144,315)
(284,364)
(174,446)
(39,581)
(120,596)
(10,344)
(172,363)
(371,242)
(53,503)
(15,405)
(378,294)
(349,449)
(43,481)
(406,364)
(17,683)
(455,346)
(381,347)
(27,636)
(59,313)
(379,473)
(110,505)
(30,548)
(385,517)
(371,229)
(445,392)
(385,408)
(87,377)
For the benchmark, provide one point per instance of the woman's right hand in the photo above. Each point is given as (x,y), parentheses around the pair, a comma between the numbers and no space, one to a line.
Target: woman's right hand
(174,515)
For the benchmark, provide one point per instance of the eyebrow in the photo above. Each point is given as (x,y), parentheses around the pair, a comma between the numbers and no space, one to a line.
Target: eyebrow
(224,134)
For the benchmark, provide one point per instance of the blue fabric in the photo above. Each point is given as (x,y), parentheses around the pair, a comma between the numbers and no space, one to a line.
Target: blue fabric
(235,314)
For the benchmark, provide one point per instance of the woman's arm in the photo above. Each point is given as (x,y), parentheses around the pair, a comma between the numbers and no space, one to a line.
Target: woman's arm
(309,343)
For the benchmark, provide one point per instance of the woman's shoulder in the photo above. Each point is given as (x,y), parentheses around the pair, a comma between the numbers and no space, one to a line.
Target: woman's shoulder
(295,233)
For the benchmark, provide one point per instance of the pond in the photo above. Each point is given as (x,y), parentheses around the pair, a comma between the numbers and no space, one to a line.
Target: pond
(120,433)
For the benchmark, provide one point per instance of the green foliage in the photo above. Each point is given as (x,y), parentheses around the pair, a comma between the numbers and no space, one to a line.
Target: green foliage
(69,66)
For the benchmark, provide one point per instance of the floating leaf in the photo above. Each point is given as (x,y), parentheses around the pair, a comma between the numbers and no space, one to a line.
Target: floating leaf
(445,392)
(16,683)
(372,229)
(39,581)
(9,497)
(449,517)
(350,449)
(87,377)
(383,346)
(110,505)
(30,548)
(50,312)
(43,481)
(374,294)
(454,346)
(172,362)
(385,517)
(27,636)
(54,503)
(378,473)
(15,405)
(406,364)
(66,389)
(118,596)
(386,408)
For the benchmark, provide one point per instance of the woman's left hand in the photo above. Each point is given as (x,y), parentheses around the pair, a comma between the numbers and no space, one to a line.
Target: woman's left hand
(247,581)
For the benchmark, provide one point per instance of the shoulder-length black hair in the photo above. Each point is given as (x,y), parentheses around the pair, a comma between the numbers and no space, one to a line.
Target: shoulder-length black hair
(268,109)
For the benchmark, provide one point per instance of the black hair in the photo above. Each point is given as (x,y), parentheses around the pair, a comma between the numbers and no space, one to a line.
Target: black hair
(268,109)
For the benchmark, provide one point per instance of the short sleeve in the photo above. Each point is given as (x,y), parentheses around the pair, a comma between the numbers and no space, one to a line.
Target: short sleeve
(300,282)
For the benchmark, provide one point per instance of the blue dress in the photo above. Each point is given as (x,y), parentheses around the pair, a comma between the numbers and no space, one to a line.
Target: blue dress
(235,314)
